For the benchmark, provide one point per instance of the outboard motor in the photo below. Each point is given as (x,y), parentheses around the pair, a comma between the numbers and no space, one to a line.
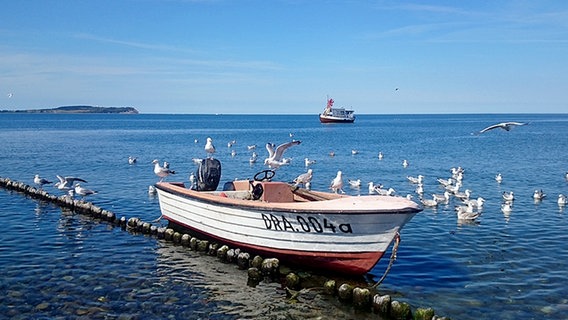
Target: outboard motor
(208,175)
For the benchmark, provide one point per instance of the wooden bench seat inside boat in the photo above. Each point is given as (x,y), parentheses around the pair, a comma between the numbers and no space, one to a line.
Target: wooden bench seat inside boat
(273,191)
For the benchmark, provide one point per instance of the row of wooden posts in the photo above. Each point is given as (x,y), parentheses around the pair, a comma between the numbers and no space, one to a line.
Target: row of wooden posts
(259,269)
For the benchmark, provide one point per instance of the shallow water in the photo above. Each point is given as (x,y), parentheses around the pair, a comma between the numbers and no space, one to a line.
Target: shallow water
(59,264)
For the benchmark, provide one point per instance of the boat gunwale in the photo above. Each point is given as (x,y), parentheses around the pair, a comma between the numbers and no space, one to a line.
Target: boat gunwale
(260,206)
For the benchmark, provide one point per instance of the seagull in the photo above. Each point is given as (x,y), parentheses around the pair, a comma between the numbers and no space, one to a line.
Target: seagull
(161,171)
(503,125)
(354,183)
(274,159)
(405,163)
(429,202)
(67,182)
(209,147)
(192,180)
(309,162)
(380,156)
(419,189)
(253,158)
(499,178)
(415,179)
(131,160)
(304,178)
(507,207)
(337,183)
(383,192)
(354,152)
(231,143)
(40,181)
(445,182)
(466,213)
(372,187)
(508,196)
(251,147)
(83,192)
(233,153)
(478,203)
(463,195)
(442,197)
(561,200)
(151,190)
(539,195)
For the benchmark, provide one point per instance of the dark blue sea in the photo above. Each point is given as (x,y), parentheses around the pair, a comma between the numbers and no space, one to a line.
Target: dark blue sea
(57,264)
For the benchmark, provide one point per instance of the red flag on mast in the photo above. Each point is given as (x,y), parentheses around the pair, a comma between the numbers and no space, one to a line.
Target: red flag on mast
(329,103)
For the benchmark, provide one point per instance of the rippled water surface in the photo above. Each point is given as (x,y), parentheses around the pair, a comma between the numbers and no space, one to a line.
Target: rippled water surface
(58,264)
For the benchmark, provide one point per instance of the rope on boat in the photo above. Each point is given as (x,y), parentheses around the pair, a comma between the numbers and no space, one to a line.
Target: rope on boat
(391,262)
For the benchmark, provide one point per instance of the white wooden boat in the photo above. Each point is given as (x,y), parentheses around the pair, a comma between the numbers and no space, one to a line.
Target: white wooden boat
(328,231)
(336,115)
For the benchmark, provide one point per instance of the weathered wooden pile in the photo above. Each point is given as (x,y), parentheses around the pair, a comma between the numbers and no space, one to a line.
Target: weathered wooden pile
(359,295)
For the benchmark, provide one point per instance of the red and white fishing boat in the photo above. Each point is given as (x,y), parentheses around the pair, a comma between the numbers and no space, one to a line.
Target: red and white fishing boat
(327,231)
(336,115)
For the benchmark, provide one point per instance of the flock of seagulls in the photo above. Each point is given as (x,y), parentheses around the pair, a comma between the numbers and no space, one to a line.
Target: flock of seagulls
(467,209)
(70,185)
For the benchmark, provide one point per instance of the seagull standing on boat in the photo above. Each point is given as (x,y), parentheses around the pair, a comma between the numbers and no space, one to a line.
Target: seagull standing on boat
(304,178)
(161,171)
(274,159)
(83,192)
(209,147)
(41,181)
(503,125)
(67,182)
(337,183)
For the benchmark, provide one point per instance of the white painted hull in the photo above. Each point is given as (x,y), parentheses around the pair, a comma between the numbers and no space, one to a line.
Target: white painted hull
(349,241)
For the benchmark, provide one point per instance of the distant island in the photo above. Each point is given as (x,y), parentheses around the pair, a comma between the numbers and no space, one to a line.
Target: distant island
(78,109)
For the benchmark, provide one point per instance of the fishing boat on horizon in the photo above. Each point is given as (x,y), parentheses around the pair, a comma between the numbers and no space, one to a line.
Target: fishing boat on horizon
(336,115)
(321,230)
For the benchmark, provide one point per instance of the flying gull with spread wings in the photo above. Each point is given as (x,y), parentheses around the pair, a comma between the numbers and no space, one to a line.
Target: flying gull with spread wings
(503,125)
(274,159)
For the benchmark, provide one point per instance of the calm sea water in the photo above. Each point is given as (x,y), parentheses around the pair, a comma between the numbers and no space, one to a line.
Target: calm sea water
(56,264)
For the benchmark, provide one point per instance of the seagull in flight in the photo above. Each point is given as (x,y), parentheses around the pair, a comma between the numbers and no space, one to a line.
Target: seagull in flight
(67,182)
(274,159)
(503,125)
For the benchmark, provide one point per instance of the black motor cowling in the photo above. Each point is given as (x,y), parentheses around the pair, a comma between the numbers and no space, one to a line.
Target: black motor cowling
(208,175)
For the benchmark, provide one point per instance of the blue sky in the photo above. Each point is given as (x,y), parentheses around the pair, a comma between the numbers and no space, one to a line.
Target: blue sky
(285,57)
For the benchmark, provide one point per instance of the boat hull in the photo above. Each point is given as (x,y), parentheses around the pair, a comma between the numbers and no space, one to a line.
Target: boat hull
(344,241)
(330,119)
